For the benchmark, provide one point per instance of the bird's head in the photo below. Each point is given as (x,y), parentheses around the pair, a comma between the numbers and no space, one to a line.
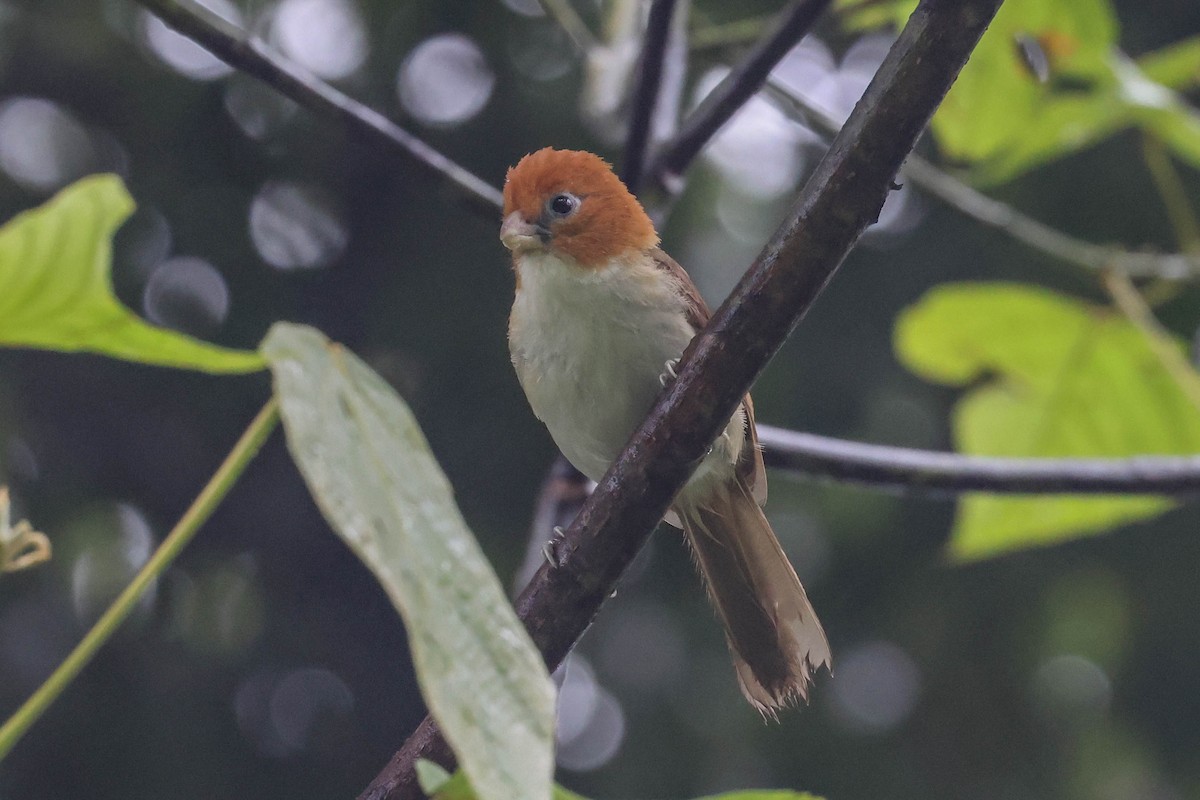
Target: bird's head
(571,204)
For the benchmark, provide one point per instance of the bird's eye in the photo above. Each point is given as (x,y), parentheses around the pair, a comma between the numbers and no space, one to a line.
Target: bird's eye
(563,204)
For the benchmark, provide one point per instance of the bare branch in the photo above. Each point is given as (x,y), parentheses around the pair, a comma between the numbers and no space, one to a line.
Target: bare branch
(908,470)
(843,196)
(646,91)
(738,86)
(251,55)
(1005,218)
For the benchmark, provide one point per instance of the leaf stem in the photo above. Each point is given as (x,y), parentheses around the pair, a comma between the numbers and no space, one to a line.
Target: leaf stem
(1135,308)
(199,512)
(1173,194)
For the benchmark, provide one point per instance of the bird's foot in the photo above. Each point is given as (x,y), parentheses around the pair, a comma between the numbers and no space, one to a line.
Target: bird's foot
(670,372)
(551,548)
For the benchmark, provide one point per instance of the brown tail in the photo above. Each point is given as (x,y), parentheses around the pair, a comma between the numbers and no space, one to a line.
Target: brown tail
(773,634)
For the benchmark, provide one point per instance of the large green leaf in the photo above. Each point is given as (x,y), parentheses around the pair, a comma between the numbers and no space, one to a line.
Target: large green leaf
(372,474)
(1052,376)
(56,291)
(440,785)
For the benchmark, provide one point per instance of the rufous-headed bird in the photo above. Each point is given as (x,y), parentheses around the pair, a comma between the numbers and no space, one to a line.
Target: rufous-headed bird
(601,315)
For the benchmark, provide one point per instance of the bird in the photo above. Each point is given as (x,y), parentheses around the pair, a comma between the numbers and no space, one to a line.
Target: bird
(600,316)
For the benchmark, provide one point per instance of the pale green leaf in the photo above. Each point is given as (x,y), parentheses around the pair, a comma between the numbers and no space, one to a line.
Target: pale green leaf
(1176,66)
(371,472)
(1056,377)
(56,290)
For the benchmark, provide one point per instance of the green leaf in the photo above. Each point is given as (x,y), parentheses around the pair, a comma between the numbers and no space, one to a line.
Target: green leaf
(763,794)
(1176,66)
(1052,376)
(372,474)
(440,785)
(997,96)
(56,291)
(431,777)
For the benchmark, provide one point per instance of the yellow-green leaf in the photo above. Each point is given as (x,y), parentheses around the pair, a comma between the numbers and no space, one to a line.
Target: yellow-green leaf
(997,95)
(371,472)
(56,290)
(1056,377)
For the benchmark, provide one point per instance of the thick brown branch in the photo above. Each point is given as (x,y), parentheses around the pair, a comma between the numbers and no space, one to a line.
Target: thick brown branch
(250,55)
(843,196)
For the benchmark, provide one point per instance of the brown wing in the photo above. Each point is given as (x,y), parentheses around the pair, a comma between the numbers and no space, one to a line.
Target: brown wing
(751,467)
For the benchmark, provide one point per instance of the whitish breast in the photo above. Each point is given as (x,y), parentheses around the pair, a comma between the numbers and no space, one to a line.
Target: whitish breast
(589,346)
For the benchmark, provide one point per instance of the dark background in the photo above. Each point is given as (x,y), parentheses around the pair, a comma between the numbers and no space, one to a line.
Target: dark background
(267,663)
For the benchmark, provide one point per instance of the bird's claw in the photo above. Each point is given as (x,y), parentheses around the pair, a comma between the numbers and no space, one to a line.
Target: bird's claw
(670,372)
(550,548)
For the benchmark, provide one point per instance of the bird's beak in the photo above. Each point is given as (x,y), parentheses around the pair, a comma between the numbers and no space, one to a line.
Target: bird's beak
(518,235)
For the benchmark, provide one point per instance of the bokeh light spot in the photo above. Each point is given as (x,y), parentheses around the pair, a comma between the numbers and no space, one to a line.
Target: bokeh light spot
(1072,687)
(591,724)
(293,226)
(42,147)
(326,36)
(758,150)
(876,688)
(187,294)
(259,110)
(445,80)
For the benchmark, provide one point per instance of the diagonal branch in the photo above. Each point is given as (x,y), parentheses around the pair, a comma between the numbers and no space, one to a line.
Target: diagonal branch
(646,91)
(251,55)
(843,196)
(907,470)
(737,87)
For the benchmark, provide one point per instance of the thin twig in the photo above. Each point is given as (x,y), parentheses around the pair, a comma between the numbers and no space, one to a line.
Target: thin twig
(646,91)
(1005,218)
(562,12)
(1131,303)
(727,34)
(1174,194)
(251,55)
(923,471)
(218,486)
(843,196)
(737,87)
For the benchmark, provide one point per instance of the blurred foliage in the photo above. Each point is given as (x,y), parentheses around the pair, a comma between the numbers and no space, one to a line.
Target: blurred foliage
(370,470)
(56,293)
(1051,376)
(1047,79)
